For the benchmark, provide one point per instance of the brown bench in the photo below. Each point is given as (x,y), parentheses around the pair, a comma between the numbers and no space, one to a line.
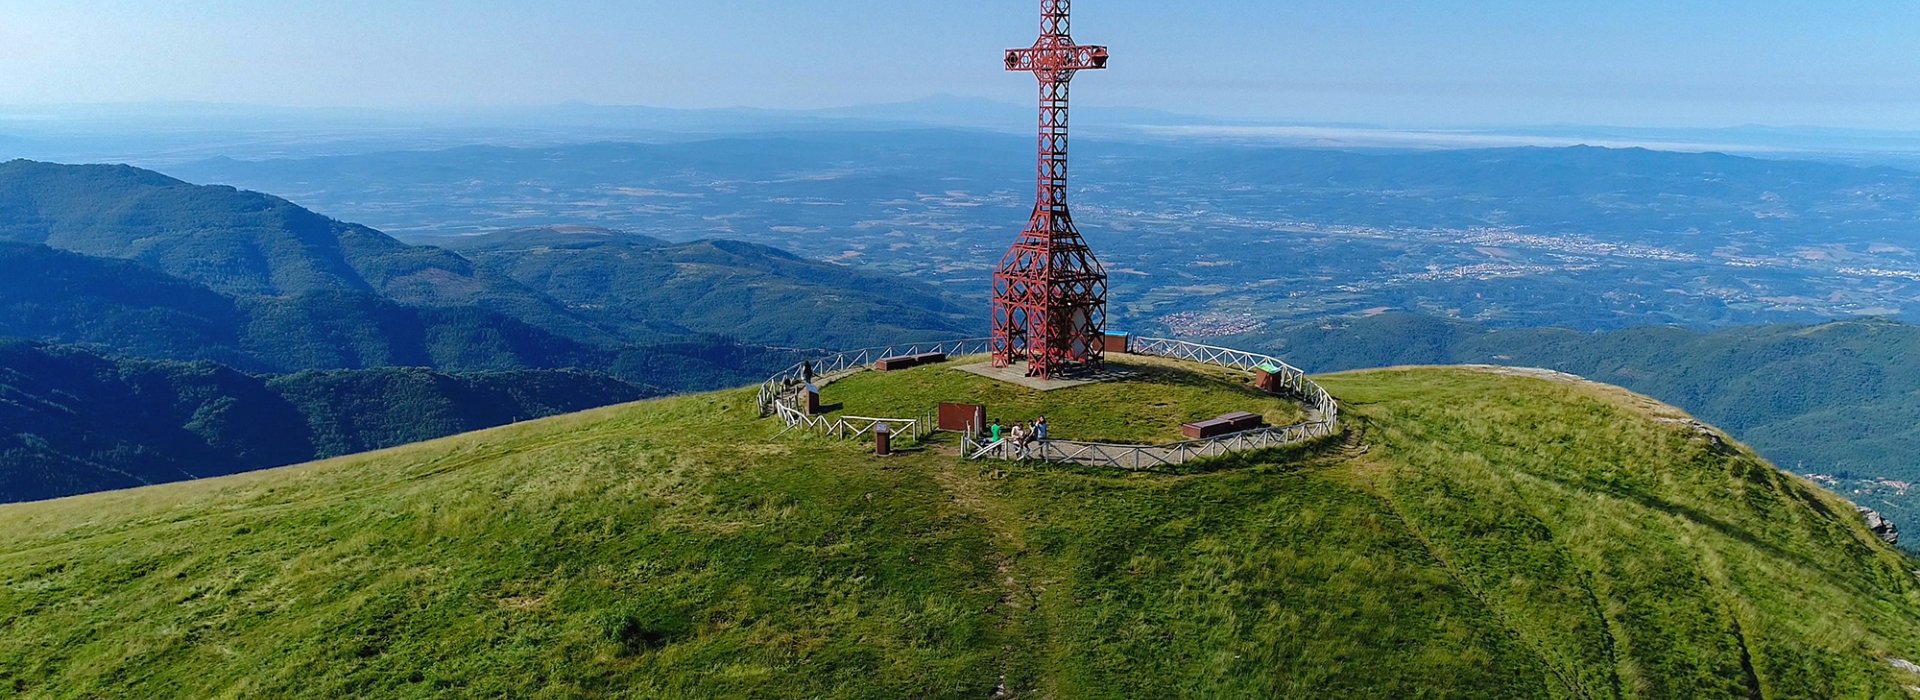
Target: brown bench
(1244,421)
(900,362)
(1207,429)
(1224,425)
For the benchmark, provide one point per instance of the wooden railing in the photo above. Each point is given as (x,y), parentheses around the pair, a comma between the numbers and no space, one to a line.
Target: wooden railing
(1321,406)
(780,397)
(787,383)
(856,427)
(1143,457)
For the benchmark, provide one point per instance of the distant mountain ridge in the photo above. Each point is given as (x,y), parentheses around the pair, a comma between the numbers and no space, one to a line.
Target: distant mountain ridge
(246,244)
(129,308)
(308,337)
(715,286)
(137,263)
(1585,237)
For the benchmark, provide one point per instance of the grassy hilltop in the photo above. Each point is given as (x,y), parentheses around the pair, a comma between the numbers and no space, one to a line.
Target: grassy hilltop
(1146,406)
(1483,535)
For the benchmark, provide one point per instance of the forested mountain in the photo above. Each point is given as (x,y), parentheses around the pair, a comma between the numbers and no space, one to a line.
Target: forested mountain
(258,282)
(77,422)
(246,244)
(743,289)
(131,262)
(1838,399)
(118,305)
(108,263)
(128,308)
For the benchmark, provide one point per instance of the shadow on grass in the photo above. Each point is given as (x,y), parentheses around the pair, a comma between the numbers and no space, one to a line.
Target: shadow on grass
(1687,513)
(1178,376)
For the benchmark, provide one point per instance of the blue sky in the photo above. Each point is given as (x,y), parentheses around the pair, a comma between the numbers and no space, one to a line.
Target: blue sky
(1415,62)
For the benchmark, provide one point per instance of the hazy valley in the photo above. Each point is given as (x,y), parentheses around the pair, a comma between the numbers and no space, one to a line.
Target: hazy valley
(1205,238)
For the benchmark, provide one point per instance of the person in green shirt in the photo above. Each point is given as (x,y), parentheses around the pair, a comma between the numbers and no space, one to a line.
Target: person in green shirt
(994,432)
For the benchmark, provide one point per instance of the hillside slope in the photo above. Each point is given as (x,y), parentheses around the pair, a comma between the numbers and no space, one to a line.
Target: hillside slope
(1837,399)
(1484,535)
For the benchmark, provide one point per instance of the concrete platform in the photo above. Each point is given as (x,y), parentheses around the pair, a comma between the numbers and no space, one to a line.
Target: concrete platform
(1017,375)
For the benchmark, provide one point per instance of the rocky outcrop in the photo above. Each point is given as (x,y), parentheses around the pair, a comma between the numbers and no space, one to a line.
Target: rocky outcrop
(1880,525)
(1715,441)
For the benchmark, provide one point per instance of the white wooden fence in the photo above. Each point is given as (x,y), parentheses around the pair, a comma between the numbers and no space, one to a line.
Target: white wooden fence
(1142,457)
(781,395)
(857,427)
(1321,406)
(789,382)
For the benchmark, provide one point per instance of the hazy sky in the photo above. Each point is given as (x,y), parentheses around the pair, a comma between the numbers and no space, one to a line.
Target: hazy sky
(1414,62)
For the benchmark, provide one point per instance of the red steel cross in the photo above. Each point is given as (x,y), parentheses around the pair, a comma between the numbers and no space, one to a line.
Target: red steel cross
(1050,293)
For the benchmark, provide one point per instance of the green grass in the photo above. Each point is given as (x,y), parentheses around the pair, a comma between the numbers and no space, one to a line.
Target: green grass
(1482,536)
(1148,407)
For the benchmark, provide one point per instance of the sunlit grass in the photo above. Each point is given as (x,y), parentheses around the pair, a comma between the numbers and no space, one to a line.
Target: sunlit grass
(1482,536)
(1147,407)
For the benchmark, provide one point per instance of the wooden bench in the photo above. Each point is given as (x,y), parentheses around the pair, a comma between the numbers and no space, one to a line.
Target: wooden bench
(1224,425)
(900,362)
(1207,429)
(1244,421)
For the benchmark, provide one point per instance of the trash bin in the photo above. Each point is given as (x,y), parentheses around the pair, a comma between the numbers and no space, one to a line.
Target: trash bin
(1267,378)
(882,440)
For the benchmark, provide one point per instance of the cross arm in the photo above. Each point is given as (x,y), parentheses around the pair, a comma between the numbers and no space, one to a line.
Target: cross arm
(1069,57)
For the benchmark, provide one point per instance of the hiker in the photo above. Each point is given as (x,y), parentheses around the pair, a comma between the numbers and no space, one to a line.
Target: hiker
(994,433)
(1040,429)
(1028,438)
(806,370)
(1019,439)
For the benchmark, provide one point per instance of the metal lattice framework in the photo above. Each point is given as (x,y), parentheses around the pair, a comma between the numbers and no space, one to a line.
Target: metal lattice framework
(1050,293)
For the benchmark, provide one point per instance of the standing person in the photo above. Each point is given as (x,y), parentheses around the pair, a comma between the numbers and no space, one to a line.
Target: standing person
(1040,429)
(994,433)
